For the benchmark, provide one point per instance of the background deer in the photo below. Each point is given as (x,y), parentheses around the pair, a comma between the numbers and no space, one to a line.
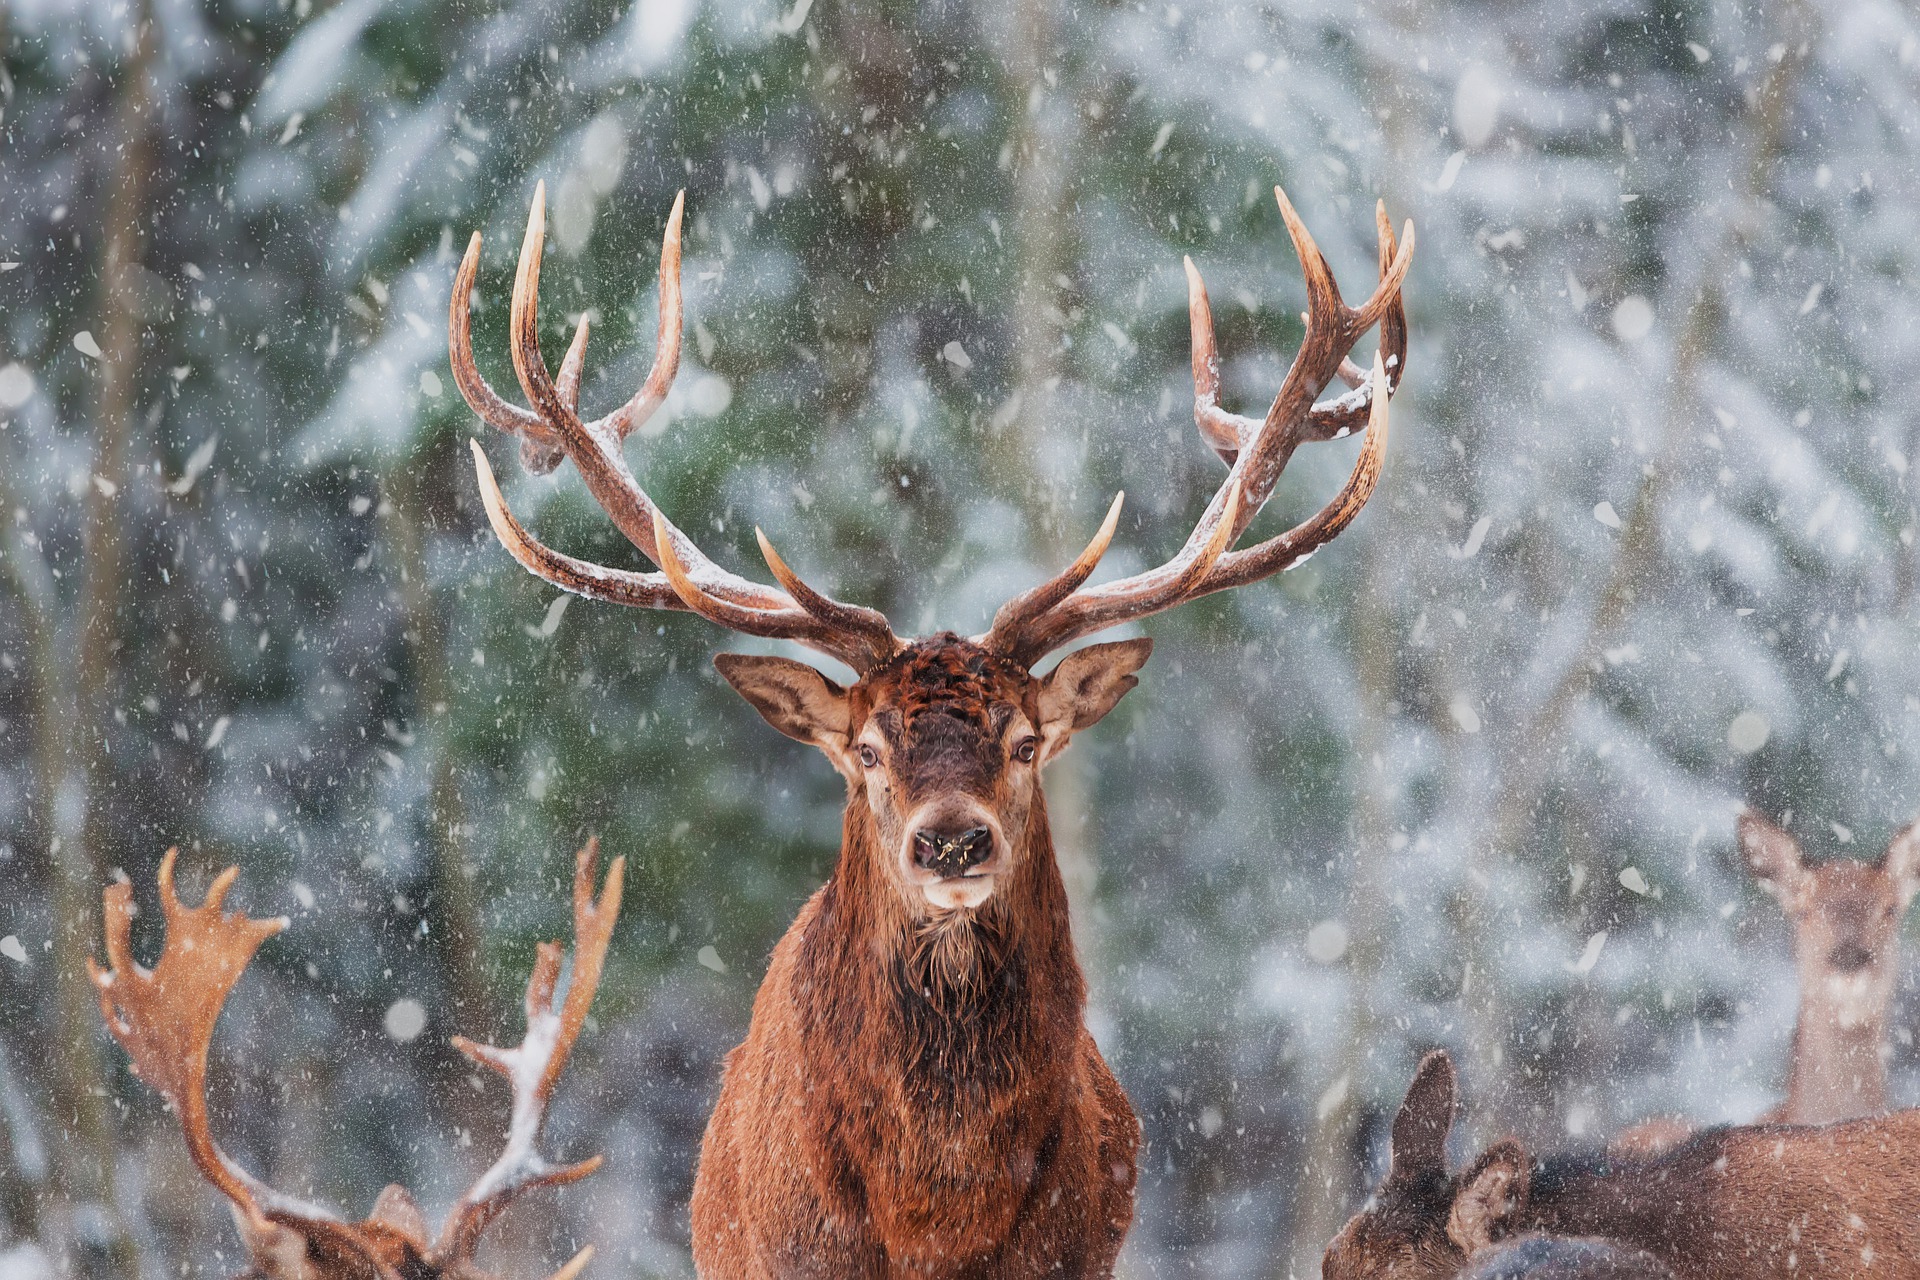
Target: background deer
(164,1018)
(1846,918)
(917,1092)
(1727,1204)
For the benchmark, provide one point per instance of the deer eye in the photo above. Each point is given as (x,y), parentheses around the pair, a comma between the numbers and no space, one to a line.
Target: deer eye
(868,756)
(1024,753)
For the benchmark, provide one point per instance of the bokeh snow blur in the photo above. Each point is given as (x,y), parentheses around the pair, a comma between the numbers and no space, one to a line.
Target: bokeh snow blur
(1644,553)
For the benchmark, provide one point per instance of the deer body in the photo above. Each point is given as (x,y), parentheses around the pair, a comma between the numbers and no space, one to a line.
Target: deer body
(917,1094)
(1750,1201)
(975,1132)
(1802,1201)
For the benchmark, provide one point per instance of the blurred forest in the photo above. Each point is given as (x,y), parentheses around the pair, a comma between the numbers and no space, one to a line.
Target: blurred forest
(1644,553)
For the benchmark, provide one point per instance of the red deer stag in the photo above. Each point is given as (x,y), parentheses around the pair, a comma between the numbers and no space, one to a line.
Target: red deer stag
(1812,1202)
(917,1093)
(164,1018)
(1846,917)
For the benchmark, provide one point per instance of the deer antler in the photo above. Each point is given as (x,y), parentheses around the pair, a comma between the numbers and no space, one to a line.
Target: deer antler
(534,1065)
(553,429)
(1033,623)
(164,1018)
(1256,452)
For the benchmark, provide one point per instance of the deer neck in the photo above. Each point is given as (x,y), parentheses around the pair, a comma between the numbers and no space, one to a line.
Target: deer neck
(1837,1071)
(960,1007)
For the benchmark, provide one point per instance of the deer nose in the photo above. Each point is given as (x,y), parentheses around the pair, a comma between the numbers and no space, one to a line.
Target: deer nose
(952,853)
(1849,957)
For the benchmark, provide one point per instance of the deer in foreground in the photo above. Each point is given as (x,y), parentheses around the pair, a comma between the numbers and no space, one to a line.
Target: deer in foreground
(1815,1202)
(917,1092)
(1846,917)
(164,1018)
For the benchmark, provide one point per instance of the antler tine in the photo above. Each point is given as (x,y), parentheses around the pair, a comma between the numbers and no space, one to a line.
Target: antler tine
(666,347)
(582,577)
(534,1065)
(1277,554)
(1013,616)
(863,647)
(1227,433)
(1256,453)
(855,620)
(859,636)
(1332,329)
(478,392)
(575,1265)
(1146,593)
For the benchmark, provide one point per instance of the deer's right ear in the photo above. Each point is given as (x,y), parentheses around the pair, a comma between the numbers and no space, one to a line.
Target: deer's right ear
(1774,858)
(1489,1198)
(1902,862)
(1426,1116)
(793,698)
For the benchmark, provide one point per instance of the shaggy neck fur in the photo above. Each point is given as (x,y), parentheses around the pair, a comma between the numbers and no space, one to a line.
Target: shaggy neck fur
(958,1007)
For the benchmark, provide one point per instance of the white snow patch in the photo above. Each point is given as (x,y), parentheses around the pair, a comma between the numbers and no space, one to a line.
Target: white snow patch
(1590,954)
(1632,318)
(1463,714)
(1327,942)
(1476,105)
(406,1019)
(1748,732)
(16,385)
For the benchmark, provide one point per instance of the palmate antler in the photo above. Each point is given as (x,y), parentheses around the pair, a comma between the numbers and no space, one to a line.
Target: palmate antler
(1032,624)
(164,1018)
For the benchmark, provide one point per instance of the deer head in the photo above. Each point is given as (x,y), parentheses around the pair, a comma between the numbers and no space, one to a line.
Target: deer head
(1422,1223)
(164,1018)
(941,740)
(1846,917)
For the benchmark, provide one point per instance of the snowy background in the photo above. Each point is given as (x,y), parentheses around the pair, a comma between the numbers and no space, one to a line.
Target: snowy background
(1643,553)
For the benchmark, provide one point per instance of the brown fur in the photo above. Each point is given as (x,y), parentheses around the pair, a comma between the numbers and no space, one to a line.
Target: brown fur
(1538,1257)
(1727,1204)
(917,1094)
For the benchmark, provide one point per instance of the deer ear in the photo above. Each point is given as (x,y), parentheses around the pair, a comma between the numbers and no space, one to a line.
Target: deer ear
(1774,858)
(1421,1126)
(1085,686)
(1902,862)
(1490,1197)
(793,697)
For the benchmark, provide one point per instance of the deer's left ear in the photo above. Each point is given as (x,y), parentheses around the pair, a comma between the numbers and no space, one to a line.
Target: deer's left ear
(1490,1196)
(1902,862)
(1086,685)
